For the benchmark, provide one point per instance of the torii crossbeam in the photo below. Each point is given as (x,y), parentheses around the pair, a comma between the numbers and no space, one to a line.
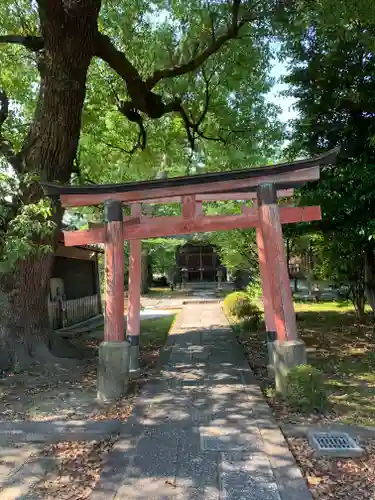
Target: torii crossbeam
(263,185)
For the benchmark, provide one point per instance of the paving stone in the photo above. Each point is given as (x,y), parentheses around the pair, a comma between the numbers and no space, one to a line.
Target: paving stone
(227,438)
(257,492)
(17,486)
(199,469)
(282,461)
(147,488)
(255,465)
(206,493)
(114,468)
(153,463)
(294,490)
(13,457)
(207,433)
(54,431)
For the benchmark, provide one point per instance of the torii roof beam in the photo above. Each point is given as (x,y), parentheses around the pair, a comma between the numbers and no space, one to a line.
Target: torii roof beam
(284,176)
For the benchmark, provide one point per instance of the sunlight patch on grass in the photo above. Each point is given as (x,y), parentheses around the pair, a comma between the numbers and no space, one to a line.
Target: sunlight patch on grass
(338,307)
(344,350)
(154,332)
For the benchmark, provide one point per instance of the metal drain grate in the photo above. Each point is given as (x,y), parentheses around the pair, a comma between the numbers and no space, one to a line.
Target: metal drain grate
(334,444)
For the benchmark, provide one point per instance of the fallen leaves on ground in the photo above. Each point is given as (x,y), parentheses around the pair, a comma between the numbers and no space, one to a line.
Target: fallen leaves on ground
(75,469)
(328,478)
(337,478)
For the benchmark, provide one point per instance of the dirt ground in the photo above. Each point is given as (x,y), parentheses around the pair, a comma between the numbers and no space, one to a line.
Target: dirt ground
(343,349)
(71,468)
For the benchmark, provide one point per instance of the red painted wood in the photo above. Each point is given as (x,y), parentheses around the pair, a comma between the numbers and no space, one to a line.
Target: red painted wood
(76,200)
(129,219)
(114,271)
(135,276)
(165,226)
(199,209)
(189,209)
(282,193)
(266,289)
(284,315)
(289,215)
(92,236)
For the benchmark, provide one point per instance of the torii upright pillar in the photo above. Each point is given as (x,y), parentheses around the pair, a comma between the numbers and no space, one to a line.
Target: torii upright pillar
(113,370)
(269,318)
(134,298)
(288,351)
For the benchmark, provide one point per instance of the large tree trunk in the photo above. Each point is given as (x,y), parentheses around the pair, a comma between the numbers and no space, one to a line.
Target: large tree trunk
(68,29)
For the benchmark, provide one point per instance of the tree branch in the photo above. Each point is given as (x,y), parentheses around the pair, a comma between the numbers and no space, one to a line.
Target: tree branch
(140,144)
(33,43)
(142,98)
(6,147)
(197,61)
(193,127)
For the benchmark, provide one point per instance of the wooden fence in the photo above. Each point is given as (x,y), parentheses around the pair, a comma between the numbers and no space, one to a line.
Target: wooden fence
(69,312)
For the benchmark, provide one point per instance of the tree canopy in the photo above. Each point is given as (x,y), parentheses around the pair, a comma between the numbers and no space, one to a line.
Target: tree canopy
(106,91)
(332,80)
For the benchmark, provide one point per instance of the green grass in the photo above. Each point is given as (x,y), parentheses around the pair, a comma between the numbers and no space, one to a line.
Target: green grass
(343,349)
(154,332)
(165,293)
(337,344)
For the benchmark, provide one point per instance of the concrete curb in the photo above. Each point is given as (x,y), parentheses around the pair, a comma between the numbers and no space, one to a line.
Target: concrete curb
(302,430)
(55,431)
(288,476)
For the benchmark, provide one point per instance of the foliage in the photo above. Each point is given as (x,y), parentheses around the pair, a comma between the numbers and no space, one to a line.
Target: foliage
(237,108)
(371,360)
(240,306)
(237,248)
(331,78)
(305,389)
(162,252)
(236,122)
(100,92)
(254,289)
(25,229)
(154,332)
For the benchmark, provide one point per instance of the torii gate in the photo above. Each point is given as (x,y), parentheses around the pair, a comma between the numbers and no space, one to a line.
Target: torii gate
(262,185)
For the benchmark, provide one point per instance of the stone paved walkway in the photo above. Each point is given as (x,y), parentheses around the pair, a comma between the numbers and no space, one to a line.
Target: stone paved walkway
(202,430)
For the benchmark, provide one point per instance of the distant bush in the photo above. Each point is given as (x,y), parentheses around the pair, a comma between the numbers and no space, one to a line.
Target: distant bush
(254,289)
(371,359)
(305,389)
(240,305)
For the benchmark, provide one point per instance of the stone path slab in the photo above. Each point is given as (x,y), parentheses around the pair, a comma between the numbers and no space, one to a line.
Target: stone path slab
(202,430)
(55,431)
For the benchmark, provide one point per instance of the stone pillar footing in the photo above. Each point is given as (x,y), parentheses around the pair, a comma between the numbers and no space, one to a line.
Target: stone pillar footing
(285,356)
(271,337)
(134,369)
(113,370)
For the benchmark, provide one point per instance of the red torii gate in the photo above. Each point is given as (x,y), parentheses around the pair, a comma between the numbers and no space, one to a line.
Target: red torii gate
(262,185)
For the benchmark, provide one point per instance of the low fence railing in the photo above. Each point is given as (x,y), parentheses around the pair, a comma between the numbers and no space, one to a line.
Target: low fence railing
(69,312)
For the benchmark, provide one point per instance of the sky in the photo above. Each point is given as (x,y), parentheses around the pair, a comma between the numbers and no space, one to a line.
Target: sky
(279,69)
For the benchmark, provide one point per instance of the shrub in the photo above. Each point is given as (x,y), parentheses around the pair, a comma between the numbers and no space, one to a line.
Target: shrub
(239,305)
(254,289)
(371,359)
(305,389)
